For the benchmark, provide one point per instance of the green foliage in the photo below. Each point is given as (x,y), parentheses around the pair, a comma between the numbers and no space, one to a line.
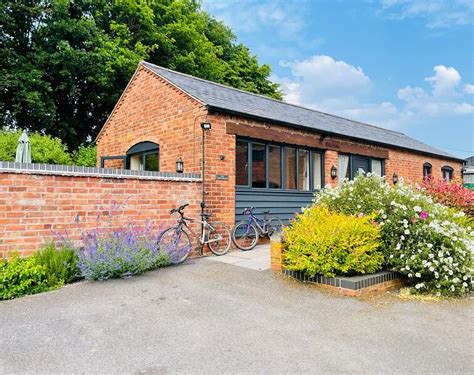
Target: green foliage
(329,244)
(60,264)
(21,276)
(44,149)
(85,156)
(428,242)
(64,64)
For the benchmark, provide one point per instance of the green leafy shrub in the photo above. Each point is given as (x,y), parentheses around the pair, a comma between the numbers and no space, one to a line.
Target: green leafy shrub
(431,244)
(85,156)
(44,149)
(21,276)
(61,264)
(326,243)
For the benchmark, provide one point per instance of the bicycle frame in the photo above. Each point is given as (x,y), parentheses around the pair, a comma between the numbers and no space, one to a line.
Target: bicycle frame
(203,238)
(252,219)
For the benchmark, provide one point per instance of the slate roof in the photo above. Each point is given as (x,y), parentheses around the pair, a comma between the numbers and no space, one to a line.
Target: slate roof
(230,100)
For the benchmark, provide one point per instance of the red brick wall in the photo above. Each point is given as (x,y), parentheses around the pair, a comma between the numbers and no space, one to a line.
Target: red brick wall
(32,206)
(151,109)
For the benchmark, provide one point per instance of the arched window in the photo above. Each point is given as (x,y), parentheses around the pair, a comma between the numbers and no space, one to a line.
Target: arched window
(447,173)
(427,170)
(144,156)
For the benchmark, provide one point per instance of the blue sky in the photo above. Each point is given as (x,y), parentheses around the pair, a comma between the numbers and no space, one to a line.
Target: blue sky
(407,65)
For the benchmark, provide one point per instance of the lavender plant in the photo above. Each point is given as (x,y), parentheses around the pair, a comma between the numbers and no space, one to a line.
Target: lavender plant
(121,252)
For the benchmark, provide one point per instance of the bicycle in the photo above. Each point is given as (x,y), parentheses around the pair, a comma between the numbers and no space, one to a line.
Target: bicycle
(246,233)
(176,241)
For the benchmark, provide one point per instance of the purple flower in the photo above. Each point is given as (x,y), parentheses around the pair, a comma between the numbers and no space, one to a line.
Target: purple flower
(424,215)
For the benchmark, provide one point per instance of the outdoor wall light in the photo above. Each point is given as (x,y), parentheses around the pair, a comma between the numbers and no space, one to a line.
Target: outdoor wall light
(206,126)
(333,172)
(394,178)
(179,166)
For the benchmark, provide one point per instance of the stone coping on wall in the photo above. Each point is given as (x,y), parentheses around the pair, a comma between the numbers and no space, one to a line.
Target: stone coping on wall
(72,170)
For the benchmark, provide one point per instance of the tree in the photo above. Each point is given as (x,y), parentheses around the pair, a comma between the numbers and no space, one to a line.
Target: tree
(64,63)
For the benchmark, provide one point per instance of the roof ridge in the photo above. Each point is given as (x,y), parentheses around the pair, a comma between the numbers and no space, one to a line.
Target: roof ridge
(273,99)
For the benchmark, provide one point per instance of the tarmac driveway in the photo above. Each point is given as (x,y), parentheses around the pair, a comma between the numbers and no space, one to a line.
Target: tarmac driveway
(212,317)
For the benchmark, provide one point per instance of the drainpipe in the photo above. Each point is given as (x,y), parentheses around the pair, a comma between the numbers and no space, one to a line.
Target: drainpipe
(205,126)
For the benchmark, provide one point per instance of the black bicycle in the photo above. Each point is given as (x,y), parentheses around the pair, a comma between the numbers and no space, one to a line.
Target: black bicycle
(246,233)
(176,242)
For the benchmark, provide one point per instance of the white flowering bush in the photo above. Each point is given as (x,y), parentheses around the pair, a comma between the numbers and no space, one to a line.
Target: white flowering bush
(431,244)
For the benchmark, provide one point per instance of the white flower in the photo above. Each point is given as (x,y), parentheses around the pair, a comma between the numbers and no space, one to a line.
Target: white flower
(406,231)
(431,269)
(419,286)
(417,209)
(402,255)
(453,288)
(402,238)
(398,246)
(431,256)
(418,274)
(464,285)
(408,267)
(429,245)
(450,272)
(410,275)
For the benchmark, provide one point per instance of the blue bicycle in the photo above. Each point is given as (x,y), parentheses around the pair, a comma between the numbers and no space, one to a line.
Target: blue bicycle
(246,233)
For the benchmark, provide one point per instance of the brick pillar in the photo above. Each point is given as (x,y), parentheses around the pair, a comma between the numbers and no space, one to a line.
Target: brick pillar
(276,254)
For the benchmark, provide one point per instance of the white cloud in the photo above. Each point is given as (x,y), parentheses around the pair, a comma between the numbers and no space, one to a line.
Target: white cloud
(436,13)
(337,87)
(468,89)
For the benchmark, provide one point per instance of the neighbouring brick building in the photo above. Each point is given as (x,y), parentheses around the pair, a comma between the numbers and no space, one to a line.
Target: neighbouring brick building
(260,152)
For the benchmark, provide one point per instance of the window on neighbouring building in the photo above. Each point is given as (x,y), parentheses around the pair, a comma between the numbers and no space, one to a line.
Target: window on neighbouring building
(259,166)
(144,156)
(447,173)
(427,170)
(276,166)
(350,166)
(242,163)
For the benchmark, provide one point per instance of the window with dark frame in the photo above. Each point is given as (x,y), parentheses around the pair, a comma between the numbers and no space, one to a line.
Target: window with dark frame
(144,156)
(347,164)
(427,170)
(447,173)
(259,166)
(290,168)
(274,166)
(242,163)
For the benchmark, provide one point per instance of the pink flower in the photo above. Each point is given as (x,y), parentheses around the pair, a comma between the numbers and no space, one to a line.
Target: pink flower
(424,215)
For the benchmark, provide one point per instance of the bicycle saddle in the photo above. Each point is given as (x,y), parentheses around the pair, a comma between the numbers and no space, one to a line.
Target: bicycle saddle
(266,212)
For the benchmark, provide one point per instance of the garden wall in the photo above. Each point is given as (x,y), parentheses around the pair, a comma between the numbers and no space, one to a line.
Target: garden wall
(39,200)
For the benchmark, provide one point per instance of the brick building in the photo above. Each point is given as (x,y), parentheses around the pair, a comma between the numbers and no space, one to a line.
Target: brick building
(259,152)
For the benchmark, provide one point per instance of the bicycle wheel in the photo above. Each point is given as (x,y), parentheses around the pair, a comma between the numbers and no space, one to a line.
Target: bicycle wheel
(245,236)
(176,243)
(218,238)
(274,225)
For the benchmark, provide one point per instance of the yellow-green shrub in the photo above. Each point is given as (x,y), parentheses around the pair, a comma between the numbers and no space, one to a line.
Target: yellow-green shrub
(325,243)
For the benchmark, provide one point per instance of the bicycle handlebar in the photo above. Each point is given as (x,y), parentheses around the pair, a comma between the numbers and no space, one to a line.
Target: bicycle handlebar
(179,209)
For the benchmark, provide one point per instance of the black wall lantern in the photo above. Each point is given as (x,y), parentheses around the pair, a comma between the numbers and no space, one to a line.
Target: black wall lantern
(179,166)
(333,172)
(394,178)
